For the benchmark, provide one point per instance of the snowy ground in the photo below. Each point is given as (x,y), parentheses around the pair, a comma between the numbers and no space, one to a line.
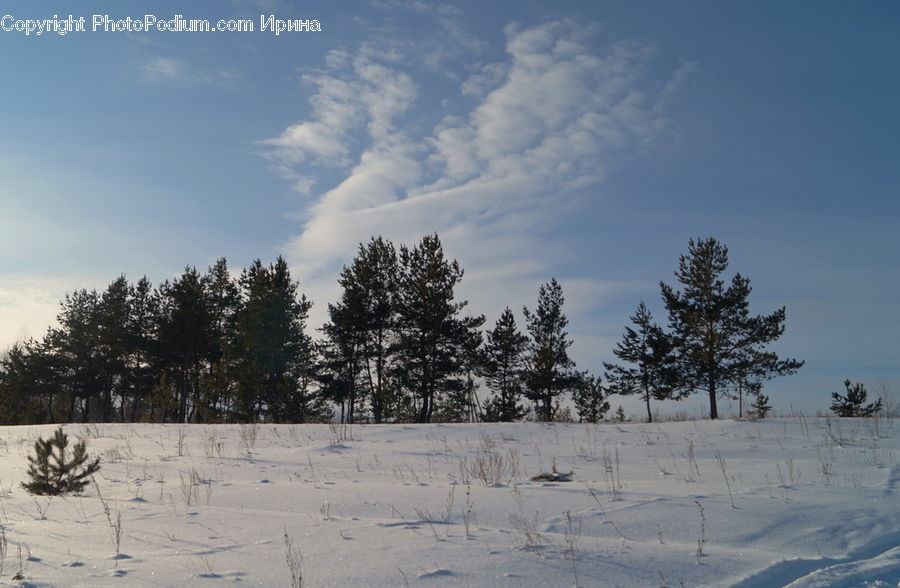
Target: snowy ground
(801,502)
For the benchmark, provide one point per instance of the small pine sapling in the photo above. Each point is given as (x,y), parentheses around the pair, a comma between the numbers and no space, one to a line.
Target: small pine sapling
(852,405)
(761,406)
(53,471)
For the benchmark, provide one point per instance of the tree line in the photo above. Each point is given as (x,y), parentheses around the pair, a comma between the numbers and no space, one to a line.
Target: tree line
(397,347)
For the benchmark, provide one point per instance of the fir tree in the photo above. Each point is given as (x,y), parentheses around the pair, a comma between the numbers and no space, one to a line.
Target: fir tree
(549,370)
(53,472)
(650,352)
(853,403)
(717,341)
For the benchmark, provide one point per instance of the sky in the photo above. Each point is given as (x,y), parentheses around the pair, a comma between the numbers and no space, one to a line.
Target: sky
(586,141)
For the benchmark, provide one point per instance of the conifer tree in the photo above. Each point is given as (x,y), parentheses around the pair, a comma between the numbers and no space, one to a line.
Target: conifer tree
(112,345)
(503,369)
(363,327)
(590,399)
(75,343)
(852,404)
(760,406)
(717,341)
(141,368)
(274,352)
(53,471)
(20,383)
(185,340)
(649,350)
(549,370)
(434,340)
(341,358)
(223,300)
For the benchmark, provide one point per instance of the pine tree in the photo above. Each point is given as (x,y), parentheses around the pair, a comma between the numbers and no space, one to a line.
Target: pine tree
(650,351)
(54,472)
(185,339)
(434,341)
(717,341)
(362,330)
(590,399)
(503,369)
(549,370)
(341,358)
(19,384)
(112,345)
(75,344)
(142,368)
(761,406)
(853,403)
(223,300)
(274,354)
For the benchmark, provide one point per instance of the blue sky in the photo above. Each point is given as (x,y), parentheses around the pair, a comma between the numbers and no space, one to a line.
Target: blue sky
(582,140)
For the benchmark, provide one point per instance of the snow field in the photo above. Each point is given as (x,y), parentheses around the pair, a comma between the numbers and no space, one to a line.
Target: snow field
(814,504)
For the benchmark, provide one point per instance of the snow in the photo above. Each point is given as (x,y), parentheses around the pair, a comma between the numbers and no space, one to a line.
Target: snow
(815,504)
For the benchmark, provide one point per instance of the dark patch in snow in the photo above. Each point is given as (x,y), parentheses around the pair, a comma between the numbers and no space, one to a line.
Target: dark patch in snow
(436,574)
(553,476)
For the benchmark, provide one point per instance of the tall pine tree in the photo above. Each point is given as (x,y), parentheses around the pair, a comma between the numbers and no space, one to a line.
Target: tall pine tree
(717,341)
(434,340)
(363,327)
(274,354)
(550,372)
(143,371)
(223,300)
(75,343)
(503,369)
(185,343)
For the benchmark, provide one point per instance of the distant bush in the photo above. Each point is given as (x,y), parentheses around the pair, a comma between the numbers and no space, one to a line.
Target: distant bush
(54,472)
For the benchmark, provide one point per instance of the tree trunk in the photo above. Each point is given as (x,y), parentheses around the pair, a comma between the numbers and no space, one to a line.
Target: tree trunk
(548,407)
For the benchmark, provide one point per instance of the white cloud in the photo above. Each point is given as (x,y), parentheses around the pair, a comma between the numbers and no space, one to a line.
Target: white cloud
(162,69)
(433,48)
(165,69)
(551,119)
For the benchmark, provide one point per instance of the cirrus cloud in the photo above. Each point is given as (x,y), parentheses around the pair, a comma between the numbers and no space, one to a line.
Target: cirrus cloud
(538,128)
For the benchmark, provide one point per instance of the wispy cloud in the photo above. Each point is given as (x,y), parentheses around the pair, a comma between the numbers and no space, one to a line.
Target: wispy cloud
(551,119)
(162,69)
(165,69)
